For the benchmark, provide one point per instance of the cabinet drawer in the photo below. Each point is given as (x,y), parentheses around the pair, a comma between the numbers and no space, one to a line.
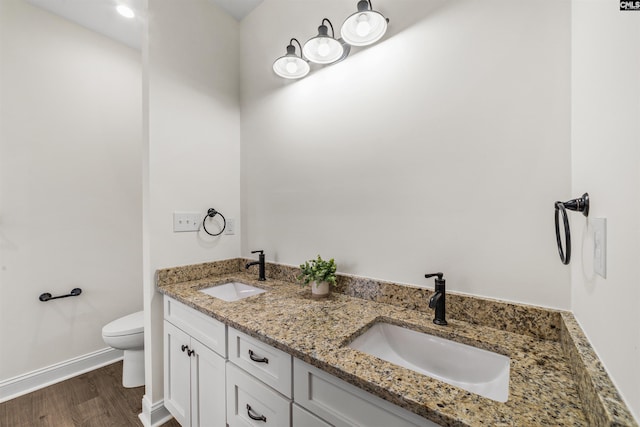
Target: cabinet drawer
(251,403)
(268,364)
(345,405)
(205,329)
(302,418)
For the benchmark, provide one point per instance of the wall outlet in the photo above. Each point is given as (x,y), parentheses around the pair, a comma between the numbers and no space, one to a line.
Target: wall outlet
(186,221)
(600,246)
(230,229)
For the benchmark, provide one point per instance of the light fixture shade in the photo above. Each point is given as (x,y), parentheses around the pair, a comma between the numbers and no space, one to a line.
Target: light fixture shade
(364,27)
(323,49)
(291,66)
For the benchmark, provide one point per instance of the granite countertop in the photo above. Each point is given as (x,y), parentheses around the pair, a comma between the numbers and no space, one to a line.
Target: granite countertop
(543,389)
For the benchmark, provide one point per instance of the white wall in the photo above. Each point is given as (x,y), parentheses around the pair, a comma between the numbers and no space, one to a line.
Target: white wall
(442,148)
(193,146)
(70,187)
(606,163)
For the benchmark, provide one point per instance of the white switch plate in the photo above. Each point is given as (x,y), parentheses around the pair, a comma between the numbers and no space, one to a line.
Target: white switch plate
(600,246)
(186,221)
(231,227)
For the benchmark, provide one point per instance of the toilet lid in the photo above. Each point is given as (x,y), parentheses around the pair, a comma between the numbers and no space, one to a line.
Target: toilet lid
(127,325)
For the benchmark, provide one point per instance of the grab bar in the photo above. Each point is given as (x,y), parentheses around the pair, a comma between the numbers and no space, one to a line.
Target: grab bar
(47,296)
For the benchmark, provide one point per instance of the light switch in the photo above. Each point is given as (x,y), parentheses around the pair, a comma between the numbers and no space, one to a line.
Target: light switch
(600,246)
(186,221)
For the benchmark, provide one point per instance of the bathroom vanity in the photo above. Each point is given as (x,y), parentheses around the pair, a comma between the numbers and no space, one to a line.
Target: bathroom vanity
(259,381)
(282,358)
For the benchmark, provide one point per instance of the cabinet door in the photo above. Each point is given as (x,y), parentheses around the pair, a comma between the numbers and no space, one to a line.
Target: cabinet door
(177,374)
(207,387)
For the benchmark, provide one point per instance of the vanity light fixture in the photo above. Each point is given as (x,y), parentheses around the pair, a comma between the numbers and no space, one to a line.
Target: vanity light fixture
(323,49)
(364,27)
(291,66)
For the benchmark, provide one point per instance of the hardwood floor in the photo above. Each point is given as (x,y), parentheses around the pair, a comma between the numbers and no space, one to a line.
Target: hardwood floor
(94,399)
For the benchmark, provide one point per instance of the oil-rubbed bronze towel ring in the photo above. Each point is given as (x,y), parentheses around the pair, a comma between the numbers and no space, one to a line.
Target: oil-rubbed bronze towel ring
(579,205)
(210,214)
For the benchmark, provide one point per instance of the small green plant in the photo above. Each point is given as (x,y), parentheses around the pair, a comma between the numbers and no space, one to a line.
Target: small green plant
(318,270)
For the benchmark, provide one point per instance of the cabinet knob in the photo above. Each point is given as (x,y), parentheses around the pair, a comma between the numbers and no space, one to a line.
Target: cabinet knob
(191,352)
(184,348)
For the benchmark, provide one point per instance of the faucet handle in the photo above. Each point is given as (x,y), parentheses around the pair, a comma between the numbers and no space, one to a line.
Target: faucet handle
(259,251)
(433,275)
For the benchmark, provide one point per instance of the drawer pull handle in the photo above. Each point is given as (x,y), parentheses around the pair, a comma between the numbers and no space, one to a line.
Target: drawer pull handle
(257,359)
(254,417)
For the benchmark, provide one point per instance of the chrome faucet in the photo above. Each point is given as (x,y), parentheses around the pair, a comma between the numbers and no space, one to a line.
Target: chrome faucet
(438,299)
(260,263)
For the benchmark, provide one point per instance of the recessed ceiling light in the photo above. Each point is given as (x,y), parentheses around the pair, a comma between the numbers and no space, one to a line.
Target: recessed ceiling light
(125,11)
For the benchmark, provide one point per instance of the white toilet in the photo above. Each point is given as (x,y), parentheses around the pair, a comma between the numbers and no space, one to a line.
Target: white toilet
(127,333)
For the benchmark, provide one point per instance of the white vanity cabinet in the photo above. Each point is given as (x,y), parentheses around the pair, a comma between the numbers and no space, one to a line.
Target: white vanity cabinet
(194,366)
(259,385)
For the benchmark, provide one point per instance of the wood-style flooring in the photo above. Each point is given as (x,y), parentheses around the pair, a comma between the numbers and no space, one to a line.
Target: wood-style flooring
(94,399)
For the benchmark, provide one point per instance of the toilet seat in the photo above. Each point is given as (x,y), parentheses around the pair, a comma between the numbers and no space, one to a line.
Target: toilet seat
(128,325)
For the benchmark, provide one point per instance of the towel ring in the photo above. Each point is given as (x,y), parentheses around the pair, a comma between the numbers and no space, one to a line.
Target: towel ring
(210,214)
(580,204)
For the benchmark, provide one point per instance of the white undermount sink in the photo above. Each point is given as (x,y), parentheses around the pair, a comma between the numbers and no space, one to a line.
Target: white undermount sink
(470,368)
(232,291)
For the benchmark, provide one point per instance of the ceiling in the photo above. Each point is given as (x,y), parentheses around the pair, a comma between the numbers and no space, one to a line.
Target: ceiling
(237,8)
(101,15)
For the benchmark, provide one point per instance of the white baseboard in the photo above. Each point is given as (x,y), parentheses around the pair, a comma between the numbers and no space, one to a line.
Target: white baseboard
(35,380)
(153,414)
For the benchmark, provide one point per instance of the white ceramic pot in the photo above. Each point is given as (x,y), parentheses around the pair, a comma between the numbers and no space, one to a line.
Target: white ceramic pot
(320,290)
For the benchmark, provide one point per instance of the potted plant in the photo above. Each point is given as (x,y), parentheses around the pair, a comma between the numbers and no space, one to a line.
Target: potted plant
(321,274)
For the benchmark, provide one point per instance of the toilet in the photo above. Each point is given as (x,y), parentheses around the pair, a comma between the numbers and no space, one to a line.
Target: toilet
(127,333)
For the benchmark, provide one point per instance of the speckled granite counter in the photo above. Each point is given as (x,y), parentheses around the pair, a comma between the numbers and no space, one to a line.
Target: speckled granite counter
(555,380)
